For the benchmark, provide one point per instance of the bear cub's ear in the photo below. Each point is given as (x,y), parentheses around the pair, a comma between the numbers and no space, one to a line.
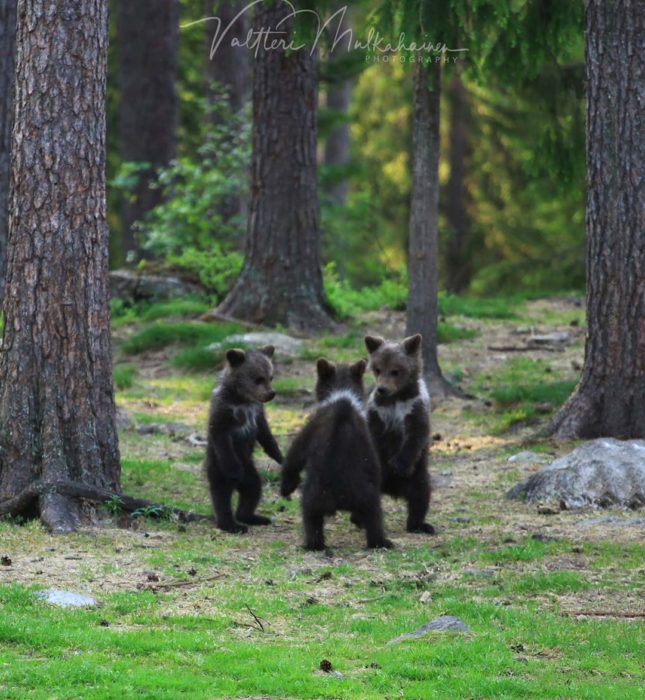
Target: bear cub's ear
(325,368)
(357,370)
(267,350)
(373,343)
(235,357)
(412,344)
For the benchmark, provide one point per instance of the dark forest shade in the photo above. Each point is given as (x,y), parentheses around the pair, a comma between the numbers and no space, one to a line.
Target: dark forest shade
(281,281)
(147,57)
(610,398)
(7,48)
(57,413)
(422,310)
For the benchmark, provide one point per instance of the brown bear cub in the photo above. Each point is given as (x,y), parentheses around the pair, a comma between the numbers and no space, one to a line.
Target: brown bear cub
(398,415)
(236,422)
(334,447)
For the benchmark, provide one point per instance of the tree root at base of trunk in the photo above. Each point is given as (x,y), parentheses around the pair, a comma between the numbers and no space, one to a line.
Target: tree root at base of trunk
(59,515)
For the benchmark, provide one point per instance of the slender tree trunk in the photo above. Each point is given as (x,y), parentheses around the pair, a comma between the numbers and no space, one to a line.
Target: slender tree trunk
(610,398)
(228,65)
(147,55)
(422,313)
(7,70)
(459,267)
(281,281)
(338,98)
(57,415)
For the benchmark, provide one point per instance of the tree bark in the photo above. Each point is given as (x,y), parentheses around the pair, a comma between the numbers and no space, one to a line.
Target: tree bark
(7,70)
(57,414)
(281,281)
(610,398)
(422,308)
(459,266)
(147,56)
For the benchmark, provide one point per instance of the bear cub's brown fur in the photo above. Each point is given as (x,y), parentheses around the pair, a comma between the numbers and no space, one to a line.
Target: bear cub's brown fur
(236,422)
(342,468)
(398,415)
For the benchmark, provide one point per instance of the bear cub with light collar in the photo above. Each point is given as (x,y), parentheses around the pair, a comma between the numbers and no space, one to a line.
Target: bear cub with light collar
(236,422)
(335,449)
(398,415)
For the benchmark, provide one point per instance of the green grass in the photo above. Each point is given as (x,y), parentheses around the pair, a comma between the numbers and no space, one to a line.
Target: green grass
(472,307)
(124,375)
(447,333)
(159,335)
(175,308)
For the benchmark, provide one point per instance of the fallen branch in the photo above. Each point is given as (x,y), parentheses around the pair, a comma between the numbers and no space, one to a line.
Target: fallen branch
(256,618)
(603,613)
(522,348)
(128,504)
(181,584)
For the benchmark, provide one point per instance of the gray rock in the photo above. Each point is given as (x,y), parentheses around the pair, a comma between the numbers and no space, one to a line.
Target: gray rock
(66,599)
(528,457)
(445,623)
(556,339)
(123,420)
(283,344)
(131,286)
(613,521)
(600,473)
(171,429)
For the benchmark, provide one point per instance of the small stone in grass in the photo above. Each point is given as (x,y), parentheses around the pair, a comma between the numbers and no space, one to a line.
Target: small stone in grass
(325,666)
(5,560)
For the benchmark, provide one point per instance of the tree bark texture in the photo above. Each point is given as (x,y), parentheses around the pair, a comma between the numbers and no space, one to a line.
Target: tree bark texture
(7,69)
(281,281)
(147,33)
(610,398)
(57,413)
(459,267)
(422,309)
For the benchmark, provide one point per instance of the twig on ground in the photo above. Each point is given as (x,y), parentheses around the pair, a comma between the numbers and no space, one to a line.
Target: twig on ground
(256,618)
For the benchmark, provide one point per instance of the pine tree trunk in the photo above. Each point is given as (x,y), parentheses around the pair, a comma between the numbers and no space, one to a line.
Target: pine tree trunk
(339,95)
(610,398)
(458,267)
(147,55)
(281,281)
(57,415)
(7,69)
(228,65)
(422,309)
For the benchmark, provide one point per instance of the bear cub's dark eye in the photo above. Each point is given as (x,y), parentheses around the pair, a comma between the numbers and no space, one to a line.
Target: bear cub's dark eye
(394,373)
(377,371)
(259,380)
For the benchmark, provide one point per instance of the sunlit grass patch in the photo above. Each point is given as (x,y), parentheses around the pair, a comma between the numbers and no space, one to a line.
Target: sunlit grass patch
(124,375)
(175,308)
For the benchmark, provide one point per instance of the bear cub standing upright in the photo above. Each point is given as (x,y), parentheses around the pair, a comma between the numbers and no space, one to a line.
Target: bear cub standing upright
(398,415)
(236,421)
(342,469)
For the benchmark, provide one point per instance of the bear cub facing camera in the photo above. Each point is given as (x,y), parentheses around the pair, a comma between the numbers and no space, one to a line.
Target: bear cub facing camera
(341,467)
(236,422)
(398,415)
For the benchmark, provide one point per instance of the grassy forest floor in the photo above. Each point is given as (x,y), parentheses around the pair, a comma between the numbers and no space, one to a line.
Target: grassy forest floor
(554,603)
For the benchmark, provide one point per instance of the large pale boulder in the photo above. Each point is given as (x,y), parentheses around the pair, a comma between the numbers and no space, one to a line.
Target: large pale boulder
(600,473)
(131,286)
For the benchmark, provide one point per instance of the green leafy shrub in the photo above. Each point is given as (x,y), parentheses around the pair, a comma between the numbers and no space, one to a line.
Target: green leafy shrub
(124,376)
(347,302)
(175,308)
(158,335)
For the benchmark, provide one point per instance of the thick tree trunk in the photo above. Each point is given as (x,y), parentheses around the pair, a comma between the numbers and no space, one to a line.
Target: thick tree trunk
(281,281)
(422,310)
(459,266)
(610,398)
(57,415)
(147,56)
(7,70)
(338,98)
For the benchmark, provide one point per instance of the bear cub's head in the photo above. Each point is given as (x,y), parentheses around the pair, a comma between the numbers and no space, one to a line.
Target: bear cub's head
(250,373)
(334,378)
(396,366)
